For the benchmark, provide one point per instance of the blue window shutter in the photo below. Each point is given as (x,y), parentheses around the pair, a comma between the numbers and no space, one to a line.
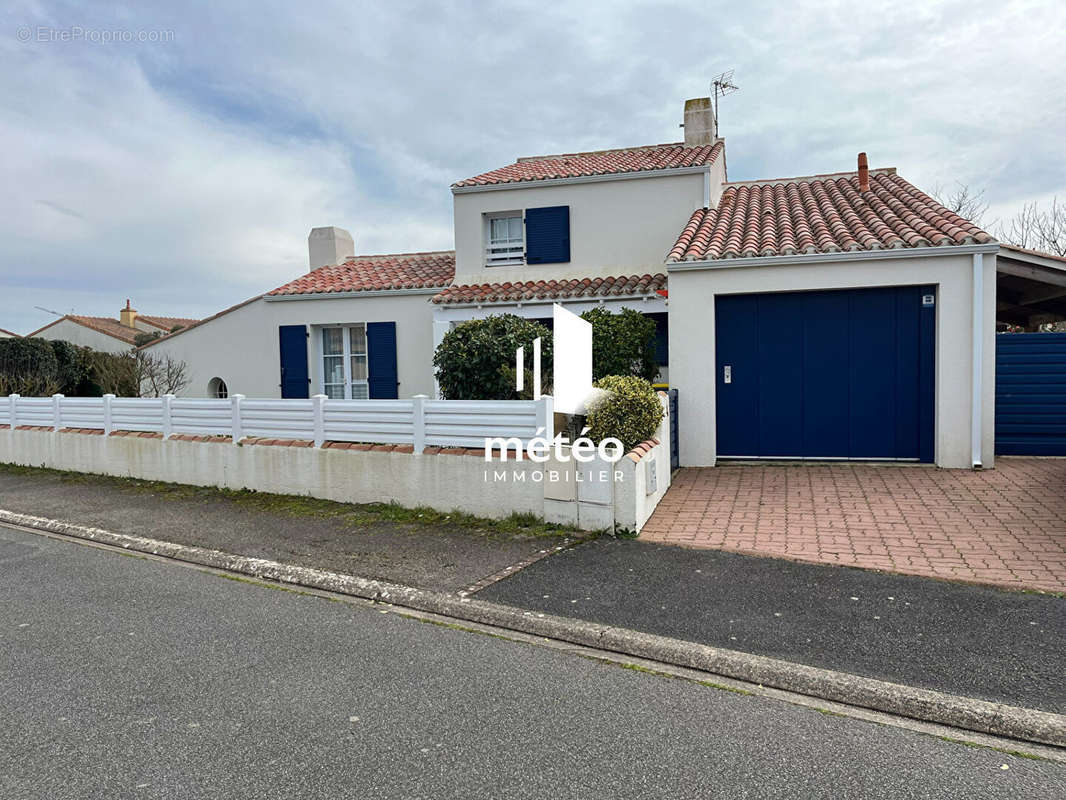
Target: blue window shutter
(295,378)
(381,360)
(548,235)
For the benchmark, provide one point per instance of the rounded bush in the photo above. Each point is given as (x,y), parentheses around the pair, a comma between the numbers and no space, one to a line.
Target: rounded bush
(629,410)
(476,359)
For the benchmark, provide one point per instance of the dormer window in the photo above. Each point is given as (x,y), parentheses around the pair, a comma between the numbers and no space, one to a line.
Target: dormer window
(505,239)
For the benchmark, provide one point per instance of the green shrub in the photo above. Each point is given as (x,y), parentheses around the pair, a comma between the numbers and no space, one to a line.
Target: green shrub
(109,373)
(630,411)
(476,359)
(71,367)
(622,344)
(144,338)
(29,367)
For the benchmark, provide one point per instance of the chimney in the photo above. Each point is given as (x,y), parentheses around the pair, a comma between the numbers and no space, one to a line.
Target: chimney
(128,315)
(328,246)
(699,122)
(864,173)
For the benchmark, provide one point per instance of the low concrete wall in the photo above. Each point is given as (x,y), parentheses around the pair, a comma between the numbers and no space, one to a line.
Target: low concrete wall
(445,479)
(441,481)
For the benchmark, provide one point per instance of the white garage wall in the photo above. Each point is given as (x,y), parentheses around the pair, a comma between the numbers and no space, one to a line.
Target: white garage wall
(692,346)
(242,348)
(83,337)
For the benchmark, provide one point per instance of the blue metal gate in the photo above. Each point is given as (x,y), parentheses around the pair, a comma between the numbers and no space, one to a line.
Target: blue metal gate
(675,439)
(844,374)
(1031,394)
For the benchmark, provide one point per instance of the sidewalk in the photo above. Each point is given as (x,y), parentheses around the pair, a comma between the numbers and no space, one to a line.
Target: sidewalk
(966,640)
(423,549)
(970,641)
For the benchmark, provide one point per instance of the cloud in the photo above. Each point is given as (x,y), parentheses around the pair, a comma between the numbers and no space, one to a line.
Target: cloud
(186,174)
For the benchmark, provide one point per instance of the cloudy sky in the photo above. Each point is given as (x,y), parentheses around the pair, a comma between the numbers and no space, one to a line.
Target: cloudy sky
(185,171)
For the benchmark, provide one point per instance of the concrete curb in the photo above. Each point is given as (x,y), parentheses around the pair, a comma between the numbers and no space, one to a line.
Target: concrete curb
(981,716)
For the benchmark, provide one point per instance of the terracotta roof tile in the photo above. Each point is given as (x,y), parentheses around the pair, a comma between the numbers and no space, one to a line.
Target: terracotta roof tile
(376,273)
(112,327)
(621,286)
(167,323)
(820,214)
(602,162)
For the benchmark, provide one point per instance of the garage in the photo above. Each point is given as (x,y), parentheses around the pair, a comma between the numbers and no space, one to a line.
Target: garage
(837,374)
(1031,394)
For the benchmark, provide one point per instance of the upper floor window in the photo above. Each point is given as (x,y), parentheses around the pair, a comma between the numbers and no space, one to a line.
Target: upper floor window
(505,239)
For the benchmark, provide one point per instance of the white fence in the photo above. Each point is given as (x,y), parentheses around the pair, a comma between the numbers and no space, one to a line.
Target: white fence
(419,422)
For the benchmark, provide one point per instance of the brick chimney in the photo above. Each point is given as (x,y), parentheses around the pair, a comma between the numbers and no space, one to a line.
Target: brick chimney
(128,316)
(699,122)
(864,173)
(328,246)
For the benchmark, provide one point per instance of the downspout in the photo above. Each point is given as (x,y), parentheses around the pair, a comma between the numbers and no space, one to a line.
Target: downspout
(977,367)
(707,188)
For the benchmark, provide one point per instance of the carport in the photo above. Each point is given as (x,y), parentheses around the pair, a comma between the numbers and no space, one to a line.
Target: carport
(1030,366)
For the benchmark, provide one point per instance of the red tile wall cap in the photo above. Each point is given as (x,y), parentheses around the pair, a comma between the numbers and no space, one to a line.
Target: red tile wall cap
(600,162)
(519,291)
(376,273)
(820,214)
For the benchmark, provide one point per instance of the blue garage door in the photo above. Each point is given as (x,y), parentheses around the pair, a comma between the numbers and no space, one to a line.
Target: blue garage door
(1031,394)
(826,375)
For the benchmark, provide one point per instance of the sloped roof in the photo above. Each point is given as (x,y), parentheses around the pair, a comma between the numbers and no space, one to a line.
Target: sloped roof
(620,286)
(109,326)
(167,323)
(12,334)
(821,214)
(600,162)
(376,273)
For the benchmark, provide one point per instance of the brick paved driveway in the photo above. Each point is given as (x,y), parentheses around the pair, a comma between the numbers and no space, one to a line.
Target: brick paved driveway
(1005,526)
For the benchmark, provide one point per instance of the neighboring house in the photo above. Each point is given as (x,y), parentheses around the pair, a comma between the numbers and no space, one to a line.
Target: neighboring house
(840,316)
(8,334)
(107,334)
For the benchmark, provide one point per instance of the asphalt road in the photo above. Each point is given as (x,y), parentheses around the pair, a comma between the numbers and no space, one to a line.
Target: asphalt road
(967,640)
(126,677)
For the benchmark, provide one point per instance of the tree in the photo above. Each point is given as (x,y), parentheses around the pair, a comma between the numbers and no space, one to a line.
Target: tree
(144,338)
(158,374)
(964,201)
(1037,228)
(622,344)
(476,359)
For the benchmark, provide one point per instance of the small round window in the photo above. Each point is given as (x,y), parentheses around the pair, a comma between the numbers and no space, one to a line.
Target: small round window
(217,388)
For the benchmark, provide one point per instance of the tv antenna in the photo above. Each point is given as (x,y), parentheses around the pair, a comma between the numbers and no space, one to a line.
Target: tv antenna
(721,86)
(49,311)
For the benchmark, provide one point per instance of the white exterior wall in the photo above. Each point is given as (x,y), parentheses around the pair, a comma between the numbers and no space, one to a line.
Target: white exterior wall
(692,347)
(242,346)
(617,227)
(82,336)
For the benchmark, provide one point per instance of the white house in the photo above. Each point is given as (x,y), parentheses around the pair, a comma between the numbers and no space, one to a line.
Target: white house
(107,334)
(838,316)
(8,334)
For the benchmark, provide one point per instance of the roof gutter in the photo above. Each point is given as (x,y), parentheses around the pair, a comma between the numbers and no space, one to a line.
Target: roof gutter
(821,258)
(611,176)
(589,298)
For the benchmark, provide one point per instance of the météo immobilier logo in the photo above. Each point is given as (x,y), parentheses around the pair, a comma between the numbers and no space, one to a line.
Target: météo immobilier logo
(573,394)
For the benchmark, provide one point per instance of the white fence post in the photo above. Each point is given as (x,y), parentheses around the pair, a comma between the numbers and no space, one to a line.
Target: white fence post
(57,411)
(546,416)
(235,417)
(418,427)
(107,413)
(319,408)
(168,425)
(14,400)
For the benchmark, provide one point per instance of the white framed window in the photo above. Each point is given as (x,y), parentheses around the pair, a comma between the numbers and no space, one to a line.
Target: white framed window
(505,239)
(345,372)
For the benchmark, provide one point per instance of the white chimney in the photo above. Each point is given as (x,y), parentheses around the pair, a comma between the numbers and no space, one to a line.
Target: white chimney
(328,246)
(699,122)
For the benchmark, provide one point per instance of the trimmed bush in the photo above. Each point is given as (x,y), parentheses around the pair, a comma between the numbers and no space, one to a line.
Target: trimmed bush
(622,344)
(29,367)
(629,411)
(476,359)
